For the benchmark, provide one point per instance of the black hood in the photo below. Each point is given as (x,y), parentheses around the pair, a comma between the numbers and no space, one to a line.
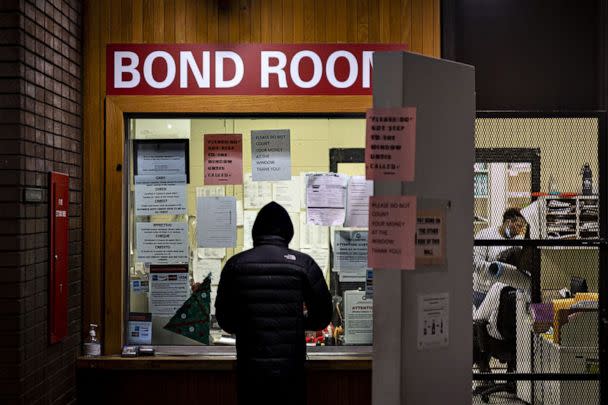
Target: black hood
(272,220)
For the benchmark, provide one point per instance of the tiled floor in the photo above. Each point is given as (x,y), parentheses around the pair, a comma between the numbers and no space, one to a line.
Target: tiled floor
(499,398)
(502,398)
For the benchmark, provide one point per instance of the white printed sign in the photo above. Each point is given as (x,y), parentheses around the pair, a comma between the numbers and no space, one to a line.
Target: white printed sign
(357,206)
(216,222)
(270,155)
(160,195)
(162,242)
(287,194)
(169,289)
(433,320)
(350,251)
(358,318)
(140,333)
(155,158)
(326,199)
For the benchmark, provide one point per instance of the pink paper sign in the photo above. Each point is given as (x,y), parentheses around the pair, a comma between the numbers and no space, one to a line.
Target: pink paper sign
(392,229)
(390,145)
(223,159)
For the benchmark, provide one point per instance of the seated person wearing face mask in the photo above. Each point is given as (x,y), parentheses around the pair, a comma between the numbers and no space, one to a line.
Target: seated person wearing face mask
(491,263)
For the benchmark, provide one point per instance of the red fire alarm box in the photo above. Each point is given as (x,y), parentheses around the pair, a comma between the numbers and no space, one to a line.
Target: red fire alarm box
(58,289)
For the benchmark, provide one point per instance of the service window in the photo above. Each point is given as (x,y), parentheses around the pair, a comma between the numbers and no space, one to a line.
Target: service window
(195,188)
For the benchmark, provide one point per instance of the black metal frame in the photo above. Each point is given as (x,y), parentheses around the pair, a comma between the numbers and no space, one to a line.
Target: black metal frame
(516,155)
(185,143)
(337,156)
(601,244)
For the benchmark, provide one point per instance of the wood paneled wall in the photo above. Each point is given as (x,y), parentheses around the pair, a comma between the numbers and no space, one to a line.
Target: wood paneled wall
(177,387)
(413,22)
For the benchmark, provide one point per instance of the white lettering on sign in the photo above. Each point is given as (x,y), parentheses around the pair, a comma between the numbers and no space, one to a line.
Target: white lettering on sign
(130,68)
(353,69)
(278,69)
(367,68)
(61,213)
(220,56)
(244,69)
(187,62)
(294,69)
(170,69)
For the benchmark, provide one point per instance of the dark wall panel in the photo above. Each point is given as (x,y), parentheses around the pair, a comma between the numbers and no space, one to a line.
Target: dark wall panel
(541,54)
(40,131)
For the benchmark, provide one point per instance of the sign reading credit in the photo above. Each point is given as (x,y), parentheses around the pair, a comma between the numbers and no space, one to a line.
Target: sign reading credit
(248,69)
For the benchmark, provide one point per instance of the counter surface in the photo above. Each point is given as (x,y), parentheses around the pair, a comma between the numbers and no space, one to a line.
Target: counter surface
(315,361)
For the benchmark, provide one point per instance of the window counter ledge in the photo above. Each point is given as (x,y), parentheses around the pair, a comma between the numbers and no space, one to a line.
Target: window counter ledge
(316,361)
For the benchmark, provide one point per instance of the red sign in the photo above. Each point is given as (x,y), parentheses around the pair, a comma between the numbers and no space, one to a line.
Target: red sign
(59,252)
(247,69)
(223,159)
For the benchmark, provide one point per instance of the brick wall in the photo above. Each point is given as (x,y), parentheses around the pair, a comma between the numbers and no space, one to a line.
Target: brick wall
(40,131)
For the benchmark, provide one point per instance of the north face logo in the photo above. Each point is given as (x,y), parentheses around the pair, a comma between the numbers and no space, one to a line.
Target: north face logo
(290,257)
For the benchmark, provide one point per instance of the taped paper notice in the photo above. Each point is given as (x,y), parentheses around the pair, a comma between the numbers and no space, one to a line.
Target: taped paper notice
(287,194)
(433,320)
(358,318)
(326,199)
(257,193)
(211,253)
(160,195)
(357,202)
(430,237)
(313,236)
(169,288)
(216,222)
(248,220)
(350,255)
(295,220)
(270,155)
(390,144)
(160,157)
(162,242)
(140,328)
(392,228)
(202,268)
(223,154)
(211,191)
(320,256)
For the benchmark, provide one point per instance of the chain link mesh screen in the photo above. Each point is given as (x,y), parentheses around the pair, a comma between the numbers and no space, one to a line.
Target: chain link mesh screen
(535,277)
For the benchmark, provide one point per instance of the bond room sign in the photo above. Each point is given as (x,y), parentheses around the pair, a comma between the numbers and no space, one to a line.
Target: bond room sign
(249,69)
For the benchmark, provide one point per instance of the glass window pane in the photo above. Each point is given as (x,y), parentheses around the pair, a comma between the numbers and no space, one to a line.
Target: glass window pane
(311,142)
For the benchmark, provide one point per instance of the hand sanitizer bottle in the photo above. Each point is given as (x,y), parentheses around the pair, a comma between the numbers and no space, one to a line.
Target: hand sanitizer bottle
(92,346)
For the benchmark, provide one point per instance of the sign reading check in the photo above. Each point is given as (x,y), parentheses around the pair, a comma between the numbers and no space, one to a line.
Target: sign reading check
(252,69)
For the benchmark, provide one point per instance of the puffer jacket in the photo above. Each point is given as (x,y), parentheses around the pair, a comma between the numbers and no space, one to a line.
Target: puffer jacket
(260,299)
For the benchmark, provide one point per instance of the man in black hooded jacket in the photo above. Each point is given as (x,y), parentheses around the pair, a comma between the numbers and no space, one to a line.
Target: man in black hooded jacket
(260,299)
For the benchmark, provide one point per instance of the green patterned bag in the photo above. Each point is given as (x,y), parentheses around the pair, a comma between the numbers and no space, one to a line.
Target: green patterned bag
(192,319)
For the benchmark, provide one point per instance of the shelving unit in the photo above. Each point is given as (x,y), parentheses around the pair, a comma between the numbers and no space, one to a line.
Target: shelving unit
(498,186)
(569,217)
(519,182)
(481,187)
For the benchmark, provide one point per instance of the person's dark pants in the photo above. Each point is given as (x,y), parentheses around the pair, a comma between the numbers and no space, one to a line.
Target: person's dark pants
(478,298)
(261,388)
(481,359)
